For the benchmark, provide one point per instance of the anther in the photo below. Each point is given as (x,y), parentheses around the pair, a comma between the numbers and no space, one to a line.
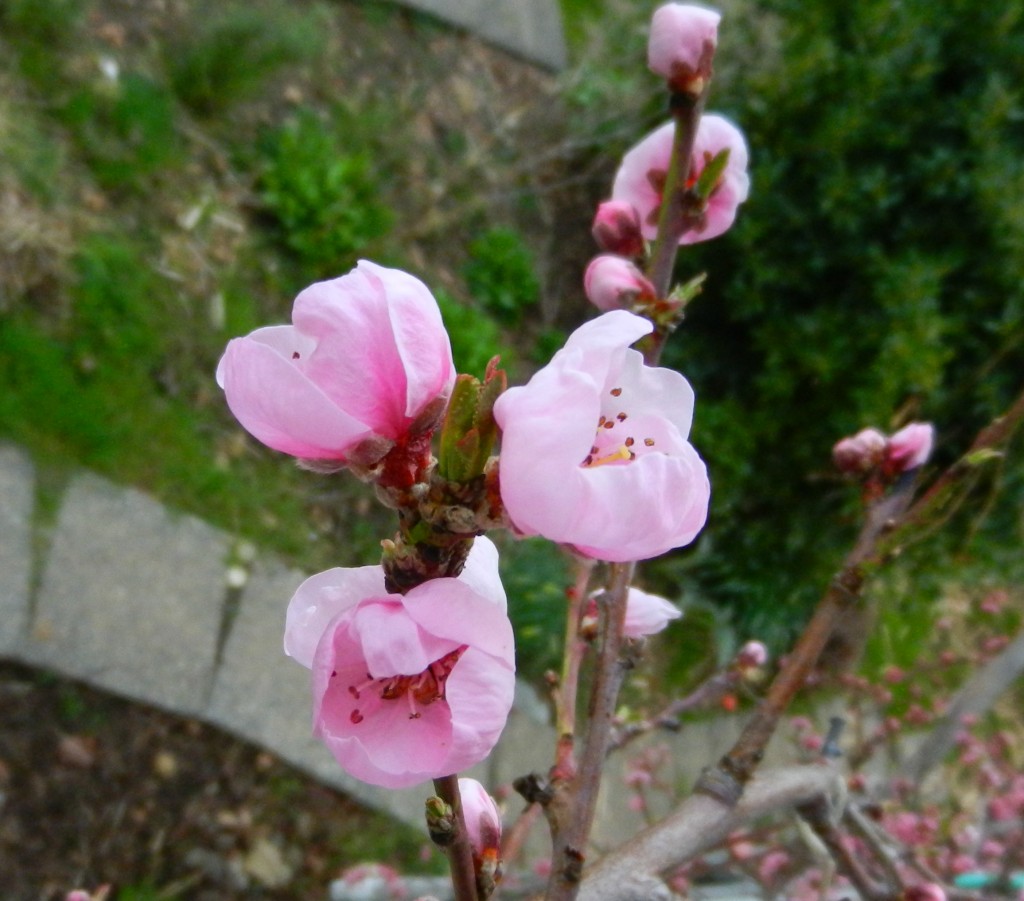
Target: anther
(295,355)
(648,442)
(616,392)
(630,441)
(356,717)
(621,417)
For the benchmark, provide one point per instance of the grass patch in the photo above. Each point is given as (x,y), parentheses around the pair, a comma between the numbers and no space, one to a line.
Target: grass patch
(500,274)
(322,193)
(231,50)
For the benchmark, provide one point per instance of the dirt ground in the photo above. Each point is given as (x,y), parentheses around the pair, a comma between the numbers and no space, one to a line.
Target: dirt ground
(96,790)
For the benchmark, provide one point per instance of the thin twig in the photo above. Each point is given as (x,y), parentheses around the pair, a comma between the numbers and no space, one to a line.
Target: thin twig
(459,850)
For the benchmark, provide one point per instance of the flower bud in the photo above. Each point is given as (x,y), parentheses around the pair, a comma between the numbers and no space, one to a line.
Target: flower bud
(752,654)
(682,45)
(613,283)
(483,821)
(910,447)
(616,229)
(861,452)
(927,891)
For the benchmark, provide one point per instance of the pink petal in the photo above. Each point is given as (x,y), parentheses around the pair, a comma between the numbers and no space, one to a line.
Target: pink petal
(480,691)
(679,33)
(320,599)
(453,611)
(392,643)
(648,614)
(278,404)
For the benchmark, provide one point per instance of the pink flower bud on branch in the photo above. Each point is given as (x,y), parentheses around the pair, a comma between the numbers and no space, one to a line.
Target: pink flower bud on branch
(682,45)
(613,282)
(616,229)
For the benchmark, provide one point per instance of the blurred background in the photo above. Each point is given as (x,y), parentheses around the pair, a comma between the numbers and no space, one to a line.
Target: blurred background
(173,172)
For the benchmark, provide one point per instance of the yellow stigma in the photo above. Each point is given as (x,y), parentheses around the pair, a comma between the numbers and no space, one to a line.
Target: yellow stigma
(620,453)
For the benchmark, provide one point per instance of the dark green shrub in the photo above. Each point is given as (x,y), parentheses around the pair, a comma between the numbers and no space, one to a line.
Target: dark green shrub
(322,193)
(475,336)
(500,274)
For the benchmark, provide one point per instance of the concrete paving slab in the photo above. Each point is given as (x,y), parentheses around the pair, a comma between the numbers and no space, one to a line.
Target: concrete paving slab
(527,28)
(131,597)
(17,489)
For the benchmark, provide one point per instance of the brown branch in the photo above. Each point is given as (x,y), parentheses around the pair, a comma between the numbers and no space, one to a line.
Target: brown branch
(458,848)
(699,823)
(571,811)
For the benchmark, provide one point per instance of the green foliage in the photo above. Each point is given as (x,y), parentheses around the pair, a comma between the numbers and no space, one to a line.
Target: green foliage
(874,276)
(125,129)
(41,22)
(500,275)
(475,336)
(234,48)
(535,574)
(323,193)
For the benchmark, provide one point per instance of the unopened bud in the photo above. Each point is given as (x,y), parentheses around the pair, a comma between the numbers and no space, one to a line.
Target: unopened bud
(483,827)
(751,655)
(860,453)
(616,229)
(440,821)
(910,447)
(613,283)
(682,45)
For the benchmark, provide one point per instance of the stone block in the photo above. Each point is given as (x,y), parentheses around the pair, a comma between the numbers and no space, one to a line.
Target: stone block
(527,28)
(131,597)
(17,489)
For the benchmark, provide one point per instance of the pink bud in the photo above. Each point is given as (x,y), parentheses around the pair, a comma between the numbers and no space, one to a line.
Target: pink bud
(682,45)
(647,614)
(616,229)
(613,283)
(366,362)
(483,820)
(910,447)
(753,653)
(927,891)
(859,453)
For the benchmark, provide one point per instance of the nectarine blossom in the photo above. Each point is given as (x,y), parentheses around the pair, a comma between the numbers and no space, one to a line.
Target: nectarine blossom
(910,447)
(682,44)
(594,451)
(641,177)
(366,362)
(408,687)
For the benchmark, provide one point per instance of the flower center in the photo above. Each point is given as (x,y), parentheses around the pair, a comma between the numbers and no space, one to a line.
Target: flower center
(612,443)
(422,689)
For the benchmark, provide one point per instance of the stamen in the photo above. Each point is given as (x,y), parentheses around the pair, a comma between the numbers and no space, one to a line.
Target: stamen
(630,441)
(621,417)
(648,442)
(355,690)
(620,453)
(601,422)
(295,355)
(608,424)
(615,392)
(355,717)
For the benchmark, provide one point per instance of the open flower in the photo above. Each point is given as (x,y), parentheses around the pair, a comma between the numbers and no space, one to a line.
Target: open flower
(641,177)
(594,451)
(409,687)
(366,362)
(682,44)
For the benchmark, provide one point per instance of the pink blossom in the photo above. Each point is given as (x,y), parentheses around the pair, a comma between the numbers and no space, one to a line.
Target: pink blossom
(771,865)
(616,229)
(406,687)
(910,447)
(861,452)
(641,176)
(682,44)
(647,614)
(366,362)
(752,654)
(483,820)
(612,283)
(926,891)
(594,451)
